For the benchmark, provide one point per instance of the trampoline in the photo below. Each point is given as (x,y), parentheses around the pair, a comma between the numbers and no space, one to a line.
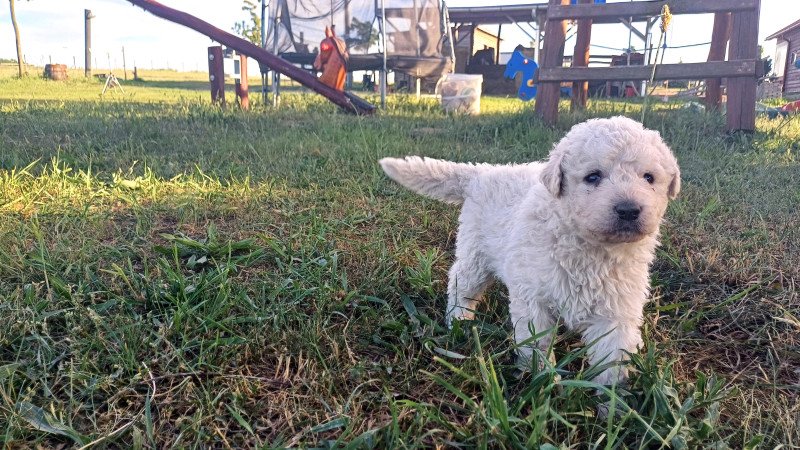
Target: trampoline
(408,36)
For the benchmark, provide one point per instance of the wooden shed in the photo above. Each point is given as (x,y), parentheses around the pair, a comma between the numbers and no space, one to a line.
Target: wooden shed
(471,39)
(786,62)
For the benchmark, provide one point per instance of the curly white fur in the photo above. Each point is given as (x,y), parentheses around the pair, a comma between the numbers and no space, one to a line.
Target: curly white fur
(565,246)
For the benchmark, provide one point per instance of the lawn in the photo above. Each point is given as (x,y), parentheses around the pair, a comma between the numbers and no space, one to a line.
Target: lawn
(177,275)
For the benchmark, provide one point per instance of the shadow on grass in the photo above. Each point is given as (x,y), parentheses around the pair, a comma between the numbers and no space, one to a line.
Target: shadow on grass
(202,85)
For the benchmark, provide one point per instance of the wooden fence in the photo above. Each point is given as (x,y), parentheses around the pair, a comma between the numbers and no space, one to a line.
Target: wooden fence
(736,21)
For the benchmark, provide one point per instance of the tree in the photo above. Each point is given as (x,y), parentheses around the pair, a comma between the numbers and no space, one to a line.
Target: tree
(765,60)
(365,36)
(20,60)
(252,30)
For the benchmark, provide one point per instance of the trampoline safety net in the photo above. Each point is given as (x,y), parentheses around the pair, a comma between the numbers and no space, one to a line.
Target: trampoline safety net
(416,39)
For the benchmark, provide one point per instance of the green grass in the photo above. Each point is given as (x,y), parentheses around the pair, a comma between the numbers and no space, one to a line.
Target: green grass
(175,275)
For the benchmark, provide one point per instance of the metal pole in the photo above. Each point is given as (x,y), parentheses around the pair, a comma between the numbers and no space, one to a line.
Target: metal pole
(449,30)
(264,4)
(349,74)
(384,73)
(275,75)
(416,44)
(648,38)
(87,62)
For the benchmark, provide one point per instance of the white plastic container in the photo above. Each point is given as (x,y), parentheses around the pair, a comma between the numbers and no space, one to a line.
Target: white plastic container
(460,93)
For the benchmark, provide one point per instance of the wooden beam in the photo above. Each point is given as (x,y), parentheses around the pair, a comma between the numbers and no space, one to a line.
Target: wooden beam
(216,74)
(552,57)
(741,114)
(242,86)
(580,58)
(647,8)
(719,42)
(685,71)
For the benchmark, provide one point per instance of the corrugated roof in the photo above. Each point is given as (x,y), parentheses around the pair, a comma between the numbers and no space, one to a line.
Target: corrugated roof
(783,30)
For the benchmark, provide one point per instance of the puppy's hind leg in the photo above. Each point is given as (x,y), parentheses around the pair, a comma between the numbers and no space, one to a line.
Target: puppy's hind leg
(465,287)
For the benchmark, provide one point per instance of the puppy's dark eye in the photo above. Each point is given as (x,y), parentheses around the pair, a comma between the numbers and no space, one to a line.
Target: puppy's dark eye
(593,177)
(649,178)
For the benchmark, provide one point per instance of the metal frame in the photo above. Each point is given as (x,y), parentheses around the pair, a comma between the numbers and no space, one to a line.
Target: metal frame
(271,25)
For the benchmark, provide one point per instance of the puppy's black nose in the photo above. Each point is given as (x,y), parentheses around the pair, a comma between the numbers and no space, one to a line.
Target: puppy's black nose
(627,210)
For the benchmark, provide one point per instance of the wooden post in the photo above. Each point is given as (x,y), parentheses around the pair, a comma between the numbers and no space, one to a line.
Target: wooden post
(741,111)
(497,45)
(580,58)
(471,43)
(719,42)
(124,65)
(552,56)
(216,74)
(242,85)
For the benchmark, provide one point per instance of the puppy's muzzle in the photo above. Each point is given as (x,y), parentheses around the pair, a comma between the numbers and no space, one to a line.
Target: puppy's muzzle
(627,211)
(626,223)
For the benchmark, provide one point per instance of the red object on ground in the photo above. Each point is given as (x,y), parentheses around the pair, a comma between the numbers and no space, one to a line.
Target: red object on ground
(791,106)
(629,92)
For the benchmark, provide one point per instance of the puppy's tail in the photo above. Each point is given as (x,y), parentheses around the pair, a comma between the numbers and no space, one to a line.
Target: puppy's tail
(442,180)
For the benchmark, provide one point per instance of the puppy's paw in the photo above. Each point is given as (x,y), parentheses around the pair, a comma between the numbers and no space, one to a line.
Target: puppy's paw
(525,363)
(457,314)
(617,375)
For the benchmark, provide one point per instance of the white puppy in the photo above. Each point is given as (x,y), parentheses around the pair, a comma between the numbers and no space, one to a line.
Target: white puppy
(571,238)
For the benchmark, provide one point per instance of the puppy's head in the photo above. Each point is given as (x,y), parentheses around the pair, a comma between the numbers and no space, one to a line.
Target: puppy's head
(614,178)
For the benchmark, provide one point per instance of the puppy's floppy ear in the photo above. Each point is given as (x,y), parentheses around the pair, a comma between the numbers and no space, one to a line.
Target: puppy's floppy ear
(675,172)
(675,184)
(552,175)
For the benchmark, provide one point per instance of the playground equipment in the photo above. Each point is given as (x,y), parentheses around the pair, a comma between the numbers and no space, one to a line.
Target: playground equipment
(521,63)
(332,60)
(741,69)
(345,100)
(111,83)
(407,36)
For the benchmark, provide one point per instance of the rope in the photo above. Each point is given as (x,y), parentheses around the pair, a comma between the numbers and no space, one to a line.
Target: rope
(688,45)
(664,46)
(666,18)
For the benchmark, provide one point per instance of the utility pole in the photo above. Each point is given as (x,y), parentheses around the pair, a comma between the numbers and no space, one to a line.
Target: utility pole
(124,66)
(88,16)
(20,56)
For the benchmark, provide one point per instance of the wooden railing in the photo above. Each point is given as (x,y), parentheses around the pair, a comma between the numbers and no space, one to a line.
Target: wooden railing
(742,69)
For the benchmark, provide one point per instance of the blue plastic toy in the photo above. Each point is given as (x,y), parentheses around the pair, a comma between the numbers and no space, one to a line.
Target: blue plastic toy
(521,63)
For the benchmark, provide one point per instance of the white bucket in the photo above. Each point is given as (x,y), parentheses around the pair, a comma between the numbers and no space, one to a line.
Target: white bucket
(460,93)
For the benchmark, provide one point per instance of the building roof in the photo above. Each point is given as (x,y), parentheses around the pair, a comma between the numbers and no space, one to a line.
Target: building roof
(502,14)
(488,15)
(464,32)
(784,30)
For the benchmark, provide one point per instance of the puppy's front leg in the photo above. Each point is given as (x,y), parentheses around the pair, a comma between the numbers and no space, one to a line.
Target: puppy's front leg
(527,314)
(612,339)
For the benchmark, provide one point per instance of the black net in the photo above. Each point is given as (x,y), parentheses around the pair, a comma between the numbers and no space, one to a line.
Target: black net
(415,36)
